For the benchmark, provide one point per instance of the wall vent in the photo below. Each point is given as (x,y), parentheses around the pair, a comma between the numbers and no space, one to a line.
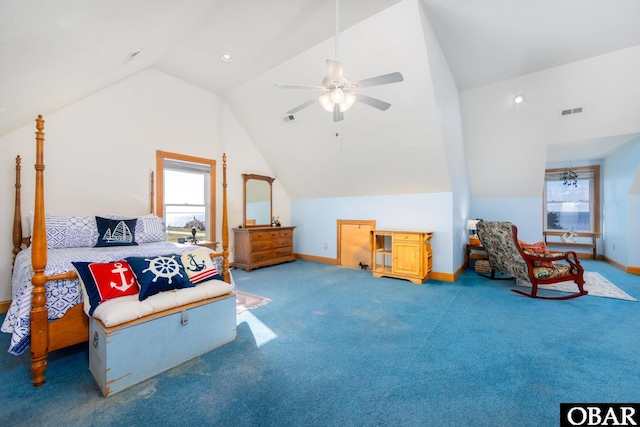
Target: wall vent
(288,118)
(571,111)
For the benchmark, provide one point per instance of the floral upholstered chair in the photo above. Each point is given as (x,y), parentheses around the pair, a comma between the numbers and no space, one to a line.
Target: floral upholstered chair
(507,255)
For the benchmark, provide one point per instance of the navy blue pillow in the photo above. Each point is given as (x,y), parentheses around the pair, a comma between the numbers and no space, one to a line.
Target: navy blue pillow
(116,232)
(158,274)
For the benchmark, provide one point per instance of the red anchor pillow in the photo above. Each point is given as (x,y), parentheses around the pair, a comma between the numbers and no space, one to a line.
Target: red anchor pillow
(105,281)
(198,266)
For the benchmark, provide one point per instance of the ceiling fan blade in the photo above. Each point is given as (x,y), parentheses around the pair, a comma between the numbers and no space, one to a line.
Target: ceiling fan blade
(301,106)
(384,79)
(337,114)
(286,86)
(334,70)
(372,102)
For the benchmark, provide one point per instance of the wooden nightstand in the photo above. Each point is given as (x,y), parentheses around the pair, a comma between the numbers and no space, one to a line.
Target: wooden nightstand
(206,244)
(467,253)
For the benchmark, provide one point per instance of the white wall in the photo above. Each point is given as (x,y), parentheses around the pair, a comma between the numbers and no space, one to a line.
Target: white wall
(524,212)
(316,221)
(100,151)
(620,210)
(506,143)
(450,124)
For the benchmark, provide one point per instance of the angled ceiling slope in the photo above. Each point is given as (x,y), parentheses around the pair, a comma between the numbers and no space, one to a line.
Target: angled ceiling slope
(55,53)
(370,152)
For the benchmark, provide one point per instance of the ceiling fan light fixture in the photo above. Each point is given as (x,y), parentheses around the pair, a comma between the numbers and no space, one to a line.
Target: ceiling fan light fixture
(326,102)
(349,100)
(337,95)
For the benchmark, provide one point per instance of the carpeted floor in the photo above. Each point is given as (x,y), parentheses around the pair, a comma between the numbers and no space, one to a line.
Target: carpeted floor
(337,347)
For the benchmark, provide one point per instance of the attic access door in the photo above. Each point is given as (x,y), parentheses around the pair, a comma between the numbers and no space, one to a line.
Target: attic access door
(354,242)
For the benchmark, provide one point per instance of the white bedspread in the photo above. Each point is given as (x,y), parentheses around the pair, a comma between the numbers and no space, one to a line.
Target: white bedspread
(64,294)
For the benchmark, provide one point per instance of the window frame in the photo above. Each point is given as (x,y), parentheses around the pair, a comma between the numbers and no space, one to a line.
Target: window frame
(210,231)
(595,203)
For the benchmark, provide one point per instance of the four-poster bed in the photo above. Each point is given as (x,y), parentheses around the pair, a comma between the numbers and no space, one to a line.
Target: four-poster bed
(44,331)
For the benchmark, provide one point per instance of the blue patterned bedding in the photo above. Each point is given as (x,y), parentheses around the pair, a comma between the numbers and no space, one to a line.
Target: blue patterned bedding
(64,294)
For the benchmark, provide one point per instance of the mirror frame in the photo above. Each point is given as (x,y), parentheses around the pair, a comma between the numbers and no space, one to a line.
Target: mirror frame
(246,177)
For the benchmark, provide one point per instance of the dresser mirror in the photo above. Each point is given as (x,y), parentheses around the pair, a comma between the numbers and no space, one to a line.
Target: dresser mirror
(257,200)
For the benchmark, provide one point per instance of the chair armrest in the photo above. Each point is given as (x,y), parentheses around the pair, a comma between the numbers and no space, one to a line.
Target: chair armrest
(570,256)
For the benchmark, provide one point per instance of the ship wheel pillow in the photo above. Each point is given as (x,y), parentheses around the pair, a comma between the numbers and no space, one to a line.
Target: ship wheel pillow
(158,274)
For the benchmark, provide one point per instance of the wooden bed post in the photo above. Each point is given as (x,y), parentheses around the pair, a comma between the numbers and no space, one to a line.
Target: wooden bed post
(225,223)
(152,193)
(17,214)
(39,327)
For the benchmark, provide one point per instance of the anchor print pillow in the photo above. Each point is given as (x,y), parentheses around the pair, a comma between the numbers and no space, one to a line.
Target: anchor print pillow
(199,267)
(116,232)
(105,281)
(159,274)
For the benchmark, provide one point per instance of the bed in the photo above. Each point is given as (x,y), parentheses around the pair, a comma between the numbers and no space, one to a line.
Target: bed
(47,312)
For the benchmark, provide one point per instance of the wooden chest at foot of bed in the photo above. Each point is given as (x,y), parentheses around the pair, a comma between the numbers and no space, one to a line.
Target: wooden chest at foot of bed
(127,354)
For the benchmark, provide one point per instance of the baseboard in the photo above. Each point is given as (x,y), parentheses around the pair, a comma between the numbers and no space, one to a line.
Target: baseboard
(615,263)
(323,260)
(633,270)
(4,306)
(443,277)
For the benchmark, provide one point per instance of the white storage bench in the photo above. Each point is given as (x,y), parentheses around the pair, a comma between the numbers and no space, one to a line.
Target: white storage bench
(126,354)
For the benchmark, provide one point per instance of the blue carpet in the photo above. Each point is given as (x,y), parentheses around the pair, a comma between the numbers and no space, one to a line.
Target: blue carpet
(337,347)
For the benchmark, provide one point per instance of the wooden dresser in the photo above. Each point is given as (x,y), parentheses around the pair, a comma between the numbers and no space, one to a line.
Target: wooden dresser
(402,254)
(262,246)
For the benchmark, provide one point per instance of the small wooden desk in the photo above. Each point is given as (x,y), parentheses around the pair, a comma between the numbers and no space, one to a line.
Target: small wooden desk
(467,252)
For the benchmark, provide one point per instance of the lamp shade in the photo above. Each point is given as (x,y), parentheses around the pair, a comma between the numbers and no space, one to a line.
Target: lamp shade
(472,224)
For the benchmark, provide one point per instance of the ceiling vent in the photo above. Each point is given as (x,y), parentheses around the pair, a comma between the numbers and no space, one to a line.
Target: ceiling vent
(572,111)
(288,118)
(132,55)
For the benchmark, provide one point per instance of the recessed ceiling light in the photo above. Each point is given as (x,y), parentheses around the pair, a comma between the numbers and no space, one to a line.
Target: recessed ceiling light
(226,58)
(519,99)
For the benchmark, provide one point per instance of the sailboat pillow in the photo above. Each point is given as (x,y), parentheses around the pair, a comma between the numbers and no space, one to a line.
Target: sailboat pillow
(115,232)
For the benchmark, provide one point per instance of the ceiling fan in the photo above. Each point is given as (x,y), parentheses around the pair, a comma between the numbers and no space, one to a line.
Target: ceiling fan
(340,93)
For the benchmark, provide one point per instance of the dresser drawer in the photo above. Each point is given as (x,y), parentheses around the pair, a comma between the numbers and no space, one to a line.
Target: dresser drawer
(261,256)
(282,252)
(274,234)
(278,243)
(286,233)
(261,245)
(407,237)
(259,235)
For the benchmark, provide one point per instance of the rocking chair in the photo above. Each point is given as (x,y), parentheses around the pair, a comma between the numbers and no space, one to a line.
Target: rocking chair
(505,254)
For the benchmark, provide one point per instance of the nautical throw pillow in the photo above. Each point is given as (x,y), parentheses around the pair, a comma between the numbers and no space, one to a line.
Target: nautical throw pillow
(115,232)
(105,281)
(149,228)
(539,248)
(198,266)
(158,274)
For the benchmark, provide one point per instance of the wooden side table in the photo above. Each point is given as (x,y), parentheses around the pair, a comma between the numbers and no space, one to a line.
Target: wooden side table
(205,243)
(467,252)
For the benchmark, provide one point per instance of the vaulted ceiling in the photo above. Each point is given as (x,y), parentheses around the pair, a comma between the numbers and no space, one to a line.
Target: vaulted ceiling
(55,53)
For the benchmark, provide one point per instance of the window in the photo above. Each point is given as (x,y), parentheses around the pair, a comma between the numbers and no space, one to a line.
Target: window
(186,195)
(574,204)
